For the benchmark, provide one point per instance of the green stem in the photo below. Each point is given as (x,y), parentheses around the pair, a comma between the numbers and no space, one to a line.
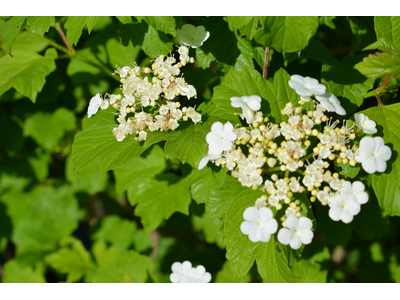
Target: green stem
(73,54)
(273,169)
(380,91)
(309,156)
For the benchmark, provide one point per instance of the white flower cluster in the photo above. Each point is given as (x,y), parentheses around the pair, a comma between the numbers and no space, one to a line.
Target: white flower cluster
(303,149)
(185,273)
(149,103)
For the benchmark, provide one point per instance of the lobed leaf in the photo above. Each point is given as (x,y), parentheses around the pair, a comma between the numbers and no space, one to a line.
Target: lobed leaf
(40,25)
(26,71)
(14,26)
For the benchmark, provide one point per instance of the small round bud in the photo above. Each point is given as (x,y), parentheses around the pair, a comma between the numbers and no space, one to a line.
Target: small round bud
(254,187)
(312,199)
(264,197)
(278,206)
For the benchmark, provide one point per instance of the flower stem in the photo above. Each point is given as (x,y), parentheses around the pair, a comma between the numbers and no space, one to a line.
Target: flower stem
(272,169)
(266,61)
(309,156)
(385,83)
(381,90)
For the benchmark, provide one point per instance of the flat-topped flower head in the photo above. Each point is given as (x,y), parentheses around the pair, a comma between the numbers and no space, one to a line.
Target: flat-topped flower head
(357,189)
(198,275)
(94,105)
(220,138)
(364,123)
(344,207)
(180,271)
(259,224)
(306,86)
(247,102)
(193,36)
(373,154)
(331,103)
(297,232)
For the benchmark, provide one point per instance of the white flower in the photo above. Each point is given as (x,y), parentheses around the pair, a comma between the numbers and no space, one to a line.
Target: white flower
(247,102)
(104,104)
(180,271)
(199,275)
(258,224)
(343,206)
(367,125)
(373,154)
(331,103)
(193,36)
(220,138)
(357,188)
(94,105)
(306,86)
(124,71)
(297,232)
(206,159)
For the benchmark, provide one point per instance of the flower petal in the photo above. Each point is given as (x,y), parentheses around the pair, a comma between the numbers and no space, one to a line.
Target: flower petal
(270,227)
(251,214)
(295,243)
(246,227)
(304,224)
(205,278)
(305,236)
(285,236)
(292,222)
(369,165)
(175,278)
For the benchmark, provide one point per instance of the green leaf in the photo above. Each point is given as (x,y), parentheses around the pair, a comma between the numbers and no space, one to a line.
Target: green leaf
(236,22)
(220,198)
(163,23)
(362,33)
(129,267)
(14,272)
(381,64)
(346,170)
(97,141)
(309,272)
(220,46)
(190,145)
(30,42)
(104,49)
(88,180)
(388,27)
(26,71)
(289,34)
(250,82)
(225,276)
(74,27)
(139,168)
(159,199)
(105,256)
(118,232)
(250,29)
(125,19)
(44,207)
(155,43)
(386,185)
(61,121)
(340,78)
(72,259)
(90,23)
(209,226)
(14,26)
(41,25)
(241,252)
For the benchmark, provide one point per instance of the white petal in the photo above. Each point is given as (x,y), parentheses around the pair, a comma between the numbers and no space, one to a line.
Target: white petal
(175,278)
(263,235)
(334,213)
(292,222)
(304,223)
(217,127)
(369,165)
(270,227)
(186,265)
(251,214)
(295,243)
(362,198)
(265,214)
(205,278)
(380,165)
(228,127)
(305,236)
(346,217)
(384,153)
(254,235)
(367,144)
(285,236)
(246,227)
(177,267)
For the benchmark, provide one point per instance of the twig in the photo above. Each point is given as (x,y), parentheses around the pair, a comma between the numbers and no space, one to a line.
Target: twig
(379,100)
(365,21)
(61,32)
(266,60)
(381,90)
(385,83)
